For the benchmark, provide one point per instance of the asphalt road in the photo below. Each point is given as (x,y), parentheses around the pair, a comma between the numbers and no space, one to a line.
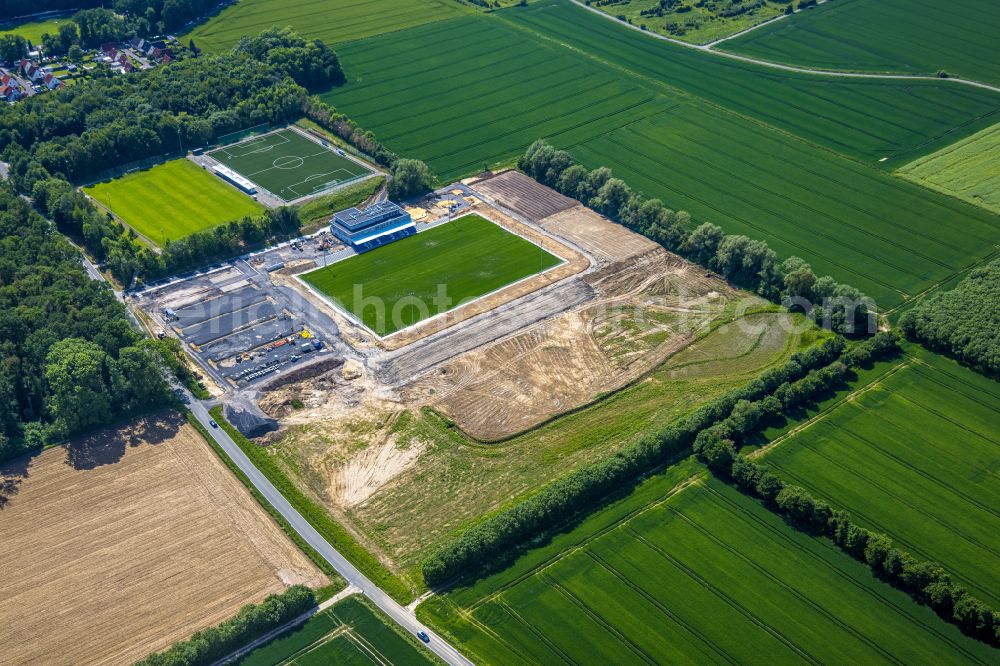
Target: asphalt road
(350,573)
(708,48)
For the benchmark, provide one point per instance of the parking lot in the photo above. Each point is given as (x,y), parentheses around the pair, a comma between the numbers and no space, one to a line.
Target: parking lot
(244,322)
(241,326)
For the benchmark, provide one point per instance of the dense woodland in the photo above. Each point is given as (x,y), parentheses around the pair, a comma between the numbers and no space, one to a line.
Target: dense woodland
(69,359)
(963,322)
(748,263)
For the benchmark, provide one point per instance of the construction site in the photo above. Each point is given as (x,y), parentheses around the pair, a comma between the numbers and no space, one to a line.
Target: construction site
(452,416)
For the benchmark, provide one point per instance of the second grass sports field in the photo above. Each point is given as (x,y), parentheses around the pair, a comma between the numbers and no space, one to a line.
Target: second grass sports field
(288,164)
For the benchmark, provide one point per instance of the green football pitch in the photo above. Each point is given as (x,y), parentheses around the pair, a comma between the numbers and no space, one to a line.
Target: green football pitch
(172,200)
(289,165)
(432,272)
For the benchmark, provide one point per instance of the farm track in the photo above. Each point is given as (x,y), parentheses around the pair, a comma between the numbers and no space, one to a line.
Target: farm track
(663,608)
(709,48)
(791,590)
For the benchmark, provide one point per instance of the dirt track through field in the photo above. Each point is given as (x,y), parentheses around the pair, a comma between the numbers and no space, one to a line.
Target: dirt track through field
(128,540)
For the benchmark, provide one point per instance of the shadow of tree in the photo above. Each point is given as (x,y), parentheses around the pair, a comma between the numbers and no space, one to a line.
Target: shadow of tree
(12,474)
(108,446)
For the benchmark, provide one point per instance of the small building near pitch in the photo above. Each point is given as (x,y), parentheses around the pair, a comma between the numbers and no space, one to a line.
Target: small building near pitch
(377,225)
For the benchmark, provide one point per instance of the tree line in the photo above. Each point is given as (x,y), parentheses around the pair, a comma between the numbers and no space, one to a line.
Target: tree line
(70,360)
(963,322)
(495,541)
(83,130)
(254,620)
(748,263)
(927,582)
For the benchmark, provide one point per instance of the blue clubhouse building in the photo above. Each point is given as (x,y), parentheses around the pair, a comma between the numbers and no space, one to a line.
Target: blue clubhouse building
(377,225)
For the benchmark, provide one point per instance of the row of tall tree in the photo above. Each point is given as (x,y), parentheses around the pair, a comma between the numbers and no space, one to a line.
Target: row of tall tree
(963,322)
(116,247)
(83,130)
(69,358)
(927,582)
(494,542)
(749,263)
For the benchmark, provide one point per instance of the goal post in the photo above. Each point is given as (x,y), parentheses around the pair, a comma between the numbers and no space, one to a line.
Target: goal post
(234,137)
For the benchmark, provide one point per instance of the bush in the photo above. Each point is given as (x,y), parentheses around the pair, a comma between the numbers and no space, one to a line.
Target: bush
(410,178)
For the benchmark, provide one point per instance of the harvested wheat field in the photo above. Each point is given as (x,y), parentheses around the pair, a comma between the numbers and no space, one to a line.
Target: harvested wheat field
(127,540)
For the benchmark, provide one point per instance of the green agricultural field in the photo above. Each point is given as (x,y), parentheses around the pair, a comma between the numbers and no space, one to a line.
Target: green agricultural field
(397,285)
(333,21)
(867,119)
(968,169)
(693,21)
(172,200)
(289,165)
(700,575)
(907,36)
(687,127)
(33,30)
(458,480)
(351,632)
(916,456)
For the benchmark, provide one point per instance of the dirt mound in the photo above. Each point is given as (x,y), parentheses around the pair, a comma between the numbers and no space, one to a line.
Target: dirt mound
(643,309)
(372,468)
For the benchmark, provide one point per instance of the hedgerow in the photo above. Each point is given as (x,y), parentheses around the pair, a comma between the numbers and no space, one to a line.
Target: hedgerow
(500,537)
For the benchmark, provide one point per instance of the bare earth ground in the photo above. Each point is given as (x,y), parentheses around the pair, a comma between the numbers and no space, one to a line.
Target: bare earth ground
(128,540)
(524,195)
(642,312)
(592,232)
(458,422)
(382,463)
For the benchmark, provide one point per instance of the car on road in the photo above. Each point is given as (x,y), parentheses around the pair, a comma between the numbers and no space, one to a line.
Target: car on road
(213,423)
(422,635)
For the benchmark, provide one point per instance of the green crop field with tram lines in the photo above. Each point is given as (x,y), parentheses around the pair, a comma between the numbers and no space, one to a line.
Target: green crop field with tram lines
(790,158)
